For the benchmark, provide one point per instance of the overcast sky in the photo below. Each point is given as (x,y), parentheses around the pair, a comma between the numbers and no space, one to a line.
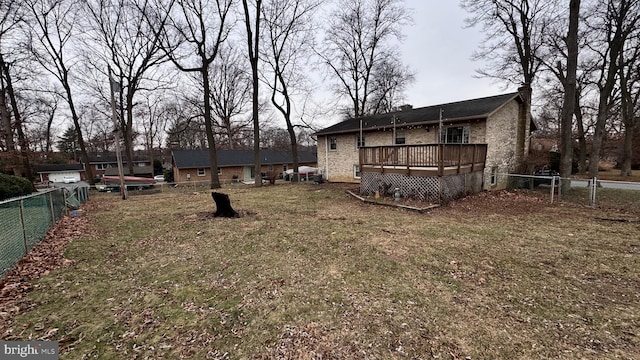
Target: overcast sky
(438,49)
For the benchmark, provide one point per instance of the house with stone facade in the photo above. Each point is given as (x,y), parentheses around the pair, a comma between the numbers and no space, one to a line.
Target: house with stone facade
(454,148)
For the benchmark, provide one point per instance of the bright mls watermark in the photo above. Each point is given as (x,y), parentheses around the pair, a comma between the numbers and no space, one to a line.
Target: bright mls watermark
(39,350)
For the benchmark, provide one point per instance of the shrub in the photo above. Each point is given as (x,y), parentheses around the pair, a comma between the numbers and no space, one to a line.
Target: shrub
(12,186)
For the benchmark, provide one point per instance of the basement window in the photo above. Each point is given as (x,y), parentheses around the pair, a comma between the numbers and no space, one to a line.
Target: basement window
(494,176)
(356,171)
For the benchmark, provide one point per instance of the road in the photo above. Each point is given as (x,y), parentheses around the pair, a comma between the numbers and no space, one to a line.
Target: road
(608,184)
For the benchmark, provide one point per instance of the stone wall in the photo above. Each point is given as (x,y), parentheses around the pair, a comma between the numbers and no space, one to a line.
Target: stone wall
(501,139)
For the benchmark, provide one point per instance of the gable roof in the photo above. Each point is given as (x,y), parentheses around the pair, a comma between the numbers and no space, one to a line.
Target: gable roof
(200,158)
(50,168)
(480,108)
(111,157)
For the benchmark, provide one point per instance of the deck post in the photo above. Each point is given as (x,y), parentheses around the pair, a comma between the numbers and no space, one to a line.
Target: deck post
(440,159)
(473,158)
(459,157)
(407,149)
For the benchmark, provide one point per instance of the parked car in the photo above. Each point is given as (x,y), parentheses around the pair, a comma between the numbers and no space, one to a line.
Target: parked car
(544,181)
(69,179)
(159,178)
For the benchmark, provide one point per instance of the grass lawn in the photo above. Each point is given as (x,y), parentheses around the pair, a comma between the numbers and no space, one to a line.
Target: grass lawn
(308,272)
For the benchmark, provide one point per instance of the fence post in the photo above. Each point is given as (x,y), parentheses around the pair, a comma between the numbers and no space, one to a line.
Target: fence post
(560,188)
(53,214)
(592,193)
(553,187)
(24,227)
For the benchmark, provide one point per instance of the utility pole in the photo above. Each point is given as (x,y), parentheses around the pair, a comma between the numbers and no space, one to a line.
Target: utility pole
(115,87)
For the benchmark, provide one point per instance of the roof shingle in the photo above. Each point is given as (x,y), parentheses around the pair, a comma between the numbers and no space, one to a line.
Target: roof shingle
(200,158)
(455,111)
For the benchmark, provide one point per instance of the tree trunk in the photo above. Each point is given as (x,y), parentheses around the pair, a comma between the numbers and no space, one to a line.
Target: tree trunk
(294,148)
(524,118)
(127,131)
(76,122)
(598,134)
(253,59)
(568,105)
(208,123)
(223,206)
(6,121)
(22,139)
(627,150)
(52,116)
(582,141)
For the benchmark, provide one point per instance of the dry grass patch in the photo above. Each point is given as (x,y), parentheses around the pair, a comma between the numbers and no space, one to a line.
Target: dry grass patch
(308,272)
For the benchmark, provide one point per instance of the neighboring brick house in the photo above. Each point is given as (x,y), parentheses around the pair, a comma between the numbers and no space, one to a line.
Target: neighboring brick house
(107,164)
(193,165)
(493,121)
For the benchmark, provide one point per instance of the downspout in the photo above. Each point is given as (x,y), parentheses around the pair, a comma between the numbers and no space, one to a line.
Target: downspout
(326,156)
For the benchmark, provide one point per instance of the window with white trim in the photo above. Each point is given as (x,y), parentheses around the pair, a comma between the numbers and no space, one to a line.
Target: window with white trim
(455,135)
(494,176)
(202,172)
(356,171)
(360,141)
(333,143)
(400,137)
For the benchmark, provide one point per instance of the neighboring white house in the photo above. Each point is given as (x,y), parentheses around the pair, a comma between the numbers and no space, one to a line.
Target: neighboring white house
(59,173)
(500,122)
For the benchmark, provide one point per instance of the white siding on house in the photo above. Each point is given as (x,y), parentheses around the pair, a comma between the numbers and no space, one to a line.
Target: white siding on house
(59,176)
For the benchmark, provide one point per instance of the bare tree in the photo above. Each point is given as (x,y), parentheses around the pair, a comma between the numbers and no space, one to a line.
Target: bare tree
(230,97)
(185,125)
(569,84)
(358,45)
(128,33)
(275,138)
(390,80)
(253,37)
(629,77)
(612,24)
(10,19)
(153,114)
(8,88)
(513,41)
(44,109)
(289,31)
(54,25)
(199,28)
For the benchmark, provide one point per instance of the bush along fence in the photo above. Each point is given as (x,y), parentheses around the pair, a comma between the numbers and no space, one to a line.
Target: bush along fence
(25,221)
(589,192)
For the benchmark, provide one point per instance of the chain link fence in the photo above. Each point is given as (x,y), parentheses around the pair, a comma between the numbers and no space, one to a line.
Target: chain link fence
(588,192)
(25,221)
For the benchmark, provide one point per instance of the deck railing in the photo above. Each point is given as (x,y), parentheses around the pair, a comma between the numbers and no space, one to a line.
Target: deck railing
(431,160)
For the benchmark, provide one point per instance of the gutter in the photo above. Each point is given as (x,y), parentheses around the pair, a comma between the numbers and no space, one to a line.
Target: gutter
(402,125)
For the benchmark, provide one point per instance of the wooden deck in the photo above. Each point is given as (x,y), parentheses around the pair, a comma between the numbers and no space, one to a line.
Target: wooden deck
(423,160)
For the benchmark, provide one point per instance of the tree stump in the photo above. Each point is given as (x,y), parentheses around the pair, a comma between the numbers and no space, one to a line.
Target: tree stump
(223,206)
